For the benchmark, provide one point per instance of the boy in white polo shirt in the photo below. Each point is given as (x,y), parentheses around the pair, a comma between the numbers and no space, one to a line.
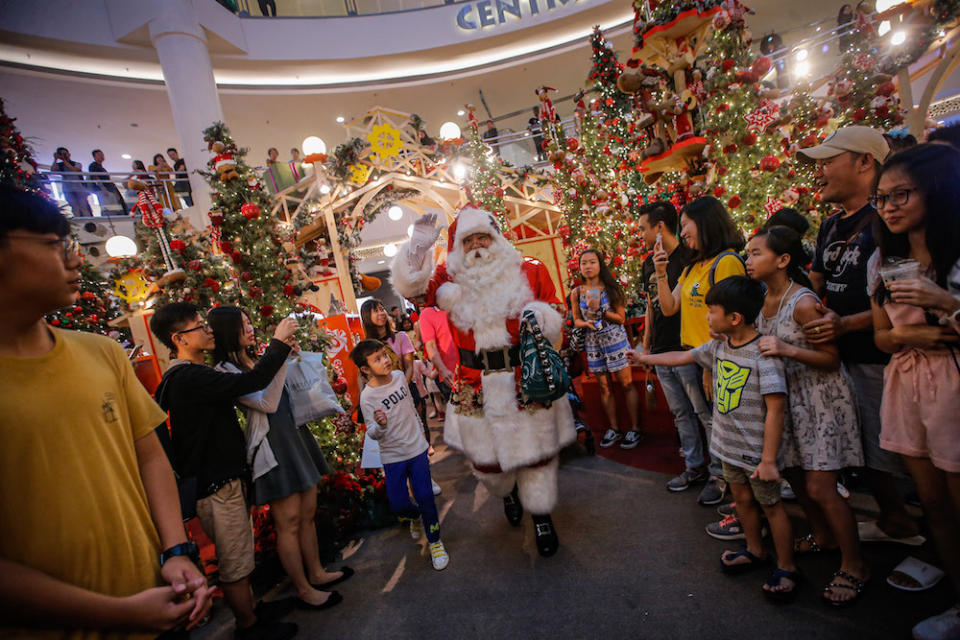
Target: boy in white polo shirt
(403,448)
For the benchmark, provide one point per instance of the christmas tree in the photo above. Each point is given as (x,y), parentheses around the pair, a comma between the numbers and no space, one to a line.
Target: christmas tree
(753,139)
(484,187)
(17,166)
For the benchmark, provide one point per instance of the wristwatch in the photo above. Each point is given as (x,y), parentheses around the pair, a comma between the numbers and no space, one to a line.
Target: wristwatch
(188,549)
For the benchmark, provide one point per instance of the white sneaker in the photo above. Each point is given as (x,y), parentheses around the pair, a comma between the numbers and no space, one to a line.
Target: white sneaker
(436,488)
(432,414)
(945,626)
(438,556)
(416,529)
(843,491)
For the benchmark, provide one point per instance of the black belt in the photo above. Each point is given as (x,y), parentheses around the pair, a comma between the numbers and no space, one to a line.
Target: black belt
(491,359)
(213,487)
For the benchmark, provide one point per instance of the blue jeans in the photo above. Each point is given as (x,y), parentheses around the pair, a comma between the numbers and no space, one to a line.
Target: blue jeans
(683,388)
(417,469)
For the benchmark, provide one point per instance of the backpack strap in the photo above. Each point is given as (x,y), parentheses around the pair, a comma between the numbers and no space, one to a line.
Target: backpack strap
(716,263)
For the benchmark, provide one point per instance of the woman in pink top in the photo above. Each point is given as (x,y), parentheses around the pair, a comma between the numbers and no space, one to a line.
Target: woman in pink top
(914,278)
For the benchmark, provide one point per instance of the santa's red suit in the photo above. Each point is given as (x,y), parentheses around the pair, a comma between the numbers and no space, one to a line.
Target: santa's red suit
(484,293)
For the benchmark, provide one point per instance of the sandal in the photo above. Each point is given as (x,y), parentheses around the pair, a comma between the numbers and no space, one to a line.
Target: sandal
(812,546)
(776,580)
(856,585)
(755,562)
(924,576)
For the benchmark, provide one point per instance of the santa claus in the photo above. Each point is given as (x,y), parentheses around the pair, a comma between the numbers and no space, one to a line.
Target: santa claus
(485,286)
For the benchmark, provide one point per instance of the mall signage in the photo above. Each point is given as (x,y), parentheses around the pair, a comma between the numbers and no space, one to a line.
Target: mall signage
(489,13)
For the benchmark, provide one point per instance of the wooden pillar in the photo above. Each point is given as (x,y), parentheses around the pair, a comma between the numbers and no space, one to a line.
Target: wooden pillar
(343,268)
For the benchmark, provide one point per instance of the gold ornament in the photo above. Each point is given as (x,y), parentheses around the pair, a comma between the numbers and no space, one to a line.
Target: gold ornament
(359,173)
(385,141)
(133,287)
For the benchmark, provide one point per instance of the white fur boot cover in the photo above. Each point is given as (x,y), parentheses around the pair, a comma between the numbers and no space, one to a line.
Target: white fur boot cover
(538,488)
(498,484)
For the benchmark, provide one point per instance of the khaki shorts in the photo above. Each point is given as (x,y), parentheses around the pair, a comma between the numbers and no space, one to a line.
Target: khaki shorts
(225,517)
(766,493)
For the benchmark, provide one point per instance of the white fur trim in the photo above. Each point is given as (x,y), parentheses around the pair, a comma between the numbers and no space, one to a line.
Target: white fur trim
(448,295)
(550,321)
(472,220)
(507,436)
(538,488)
(407,282)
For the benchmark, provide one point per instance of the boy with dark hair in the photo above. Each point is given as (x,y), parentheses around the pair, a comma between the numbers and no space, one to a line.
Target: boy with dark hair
(949,134)
(209,451)
(748,421)
(658,223)
(392,421)
(91,525)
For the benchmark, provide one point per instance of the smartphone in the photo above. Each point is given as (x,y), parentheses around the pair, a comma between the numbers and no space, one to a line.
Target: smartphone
(659,241)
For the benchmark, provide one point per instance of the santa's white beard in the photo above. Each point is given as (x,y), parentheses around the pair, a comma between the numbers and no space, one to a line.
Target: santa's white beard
(493,288)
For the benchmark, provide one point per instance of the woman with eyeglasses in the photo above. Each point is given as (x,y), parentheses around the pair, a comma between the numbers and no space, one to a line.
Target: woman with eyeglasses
(914,280)
(285,462)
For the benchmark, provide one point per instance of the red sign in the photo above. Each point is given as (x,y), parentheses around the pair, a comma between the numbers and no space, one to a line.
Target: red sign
(344,333)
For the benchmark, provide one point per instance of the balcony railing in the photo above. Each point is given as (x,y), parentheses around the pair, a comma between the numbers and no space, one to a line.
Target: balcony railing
(106,194)
(329,8)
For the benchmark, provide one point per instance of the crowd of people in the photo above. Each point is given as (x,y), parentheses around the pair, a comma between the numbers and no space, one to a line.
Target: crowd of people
(169,182)
(797,367)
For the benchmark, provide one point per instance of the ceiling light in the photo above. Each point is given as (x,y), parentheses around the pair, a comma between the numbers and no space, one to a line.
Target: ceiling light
(802,68)
(459,171)
(381,262)
(802,55)
(126,156)
(461,112)
(410,231)
(898,38)
(312,145)
(395,212)
(390,250)
(121,247)
(449,131)
(883,28)
(883,5)
(340,118)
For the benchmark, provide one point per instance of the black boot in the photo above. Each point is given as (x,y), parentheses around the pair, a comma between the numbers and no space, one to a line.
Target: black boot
(512,507)
(546,536)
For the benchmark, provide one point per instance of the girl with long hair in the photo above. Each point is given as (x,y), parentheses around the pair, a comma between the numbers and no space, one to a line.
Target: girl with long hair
(823,435)
(914,279)
(599,308)
(165,190)
(285,463)
(713,241)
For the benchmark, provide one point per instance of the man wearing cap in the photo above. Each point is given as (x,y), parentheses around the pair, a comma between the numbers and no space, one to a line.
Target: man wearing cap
(847,164)
(484,286)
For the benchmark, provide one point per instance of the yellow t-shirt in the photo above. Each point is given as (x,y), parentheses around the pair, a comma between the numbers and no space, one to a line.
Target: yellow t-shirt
(72,503)
(694,283)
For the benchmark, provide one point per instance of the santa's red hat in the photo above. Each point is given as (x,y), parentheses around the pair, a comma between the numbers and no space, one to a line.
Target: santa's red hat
(470,220)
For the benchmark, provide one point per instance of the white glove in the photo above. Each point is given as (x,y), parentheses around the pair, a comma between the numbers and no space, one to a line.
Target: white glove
(425,234)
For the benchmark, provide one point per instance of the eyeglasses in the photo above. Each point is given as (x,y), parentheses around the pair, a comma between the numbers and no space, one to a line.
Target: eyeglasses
(68,244)
(203,326)
(897,198)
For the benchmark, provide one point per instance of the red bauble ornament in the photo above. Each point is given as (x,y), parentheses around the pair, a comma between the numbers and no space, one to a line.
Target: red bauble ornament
(339,386)
(246,277)
(88,296)
(195,265)
(810,140)
(734,202)
(730,148)
(618,261)
(883,111)
(572,144)
(564,231)
(718,191)
(178,245)
(226,246)
(93,318)
(256,292)
(266,310)
(237,257)
(761,66)
(250,211)
(288,290)
(858,114)
(749,139)
(728,64)
(721,170)
(211,284)
(769,163)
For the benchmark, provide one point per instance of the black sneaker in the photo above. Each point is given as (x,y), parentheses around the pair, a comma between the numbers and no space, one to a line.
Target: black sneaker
(546,536)
(713,491)
(728,509)
(610,438)
(729,529)
(689,476)
(631,440)
(263,630)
